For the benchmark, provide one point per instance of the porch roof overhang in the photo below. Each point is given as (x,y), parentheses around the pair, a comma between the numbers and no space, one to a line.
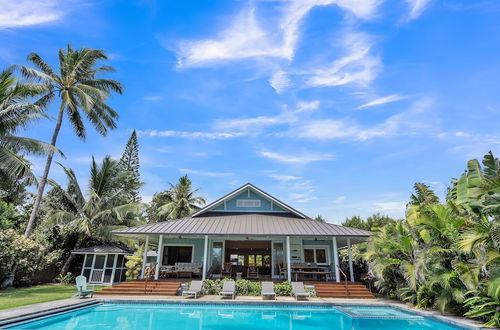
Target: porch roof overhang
(245,224)
(104,249)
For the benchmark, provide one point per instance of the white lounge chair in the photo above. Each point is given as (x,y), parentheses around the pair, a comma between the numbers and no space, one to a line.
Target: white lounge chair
(268,290)
(228,289)
(81,288)
(195,289)
(298,290)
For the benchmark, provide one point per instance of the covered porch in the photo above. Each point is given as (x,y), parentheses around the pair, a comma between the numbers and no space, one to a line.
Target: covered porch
(293,258)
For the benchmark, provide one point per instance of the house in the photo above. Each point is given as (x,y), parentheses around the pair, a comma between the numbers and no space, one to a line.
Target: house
(247,233)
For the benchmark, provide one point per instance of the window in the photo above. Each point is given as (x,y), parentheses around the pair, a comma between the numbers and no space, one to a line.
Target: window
(247,203)
(318,255)
(173,254)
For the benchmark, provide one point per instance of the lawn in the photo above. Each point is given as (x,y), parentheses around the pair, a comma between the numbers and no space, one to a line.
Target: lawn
(15,297)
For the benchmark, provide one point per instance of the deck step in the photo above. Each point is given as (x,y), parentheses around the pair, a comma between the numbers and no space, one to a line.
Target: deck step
(141,288)
(342,290)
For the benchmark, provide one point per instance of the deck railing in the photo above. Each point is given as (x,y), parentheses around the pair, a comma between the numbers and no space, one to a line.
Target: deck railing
(345,279)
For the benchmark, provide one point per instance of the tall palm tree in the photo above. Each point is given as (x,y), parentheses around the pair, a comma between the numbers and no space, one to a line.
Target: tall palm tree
(182,201)
(103,210)
(16,112)
(80,92)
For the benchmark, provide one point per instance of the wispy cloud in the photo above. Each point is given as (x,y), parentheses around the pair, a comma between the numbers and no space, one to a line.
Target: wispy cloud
(382,100)
(205,173)
(358,66)
(153,98)
(295,158)
(21,13)
(287,116)
(285,178)
(247,37)
(417,7)
(389,206)
(280,81)
(192,135)
(339,200)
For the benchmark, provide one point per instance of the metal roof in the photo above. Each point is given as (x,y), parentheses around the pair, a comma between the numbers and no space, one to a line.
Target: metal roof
(109,249)
(258,191)
(267,224)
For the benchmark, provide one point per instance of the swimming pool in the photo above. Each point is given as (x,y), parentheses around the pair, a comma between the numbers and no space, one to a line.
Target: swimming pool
(233,316)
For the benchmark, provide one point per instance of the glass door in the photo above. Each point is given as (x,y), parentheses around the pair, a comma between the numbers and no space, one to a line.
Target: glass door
(277,259)
(216,257)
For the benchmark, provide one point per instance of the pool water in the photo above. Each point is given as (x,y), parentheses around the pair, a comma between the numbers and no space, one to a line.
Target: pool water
(228,316)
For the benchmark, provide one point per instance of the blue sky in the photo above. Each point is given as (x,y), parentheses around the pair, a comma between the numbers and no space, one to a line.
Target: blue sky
(334,106)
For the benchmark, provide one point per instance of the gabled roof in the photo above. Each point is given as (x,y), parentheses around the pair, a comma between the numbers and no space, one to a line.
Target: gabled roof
(260,192)
(109,249)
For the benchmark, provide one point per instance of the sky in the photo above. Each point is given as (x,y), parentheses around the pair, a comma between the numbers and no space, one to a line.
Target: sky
(336,107)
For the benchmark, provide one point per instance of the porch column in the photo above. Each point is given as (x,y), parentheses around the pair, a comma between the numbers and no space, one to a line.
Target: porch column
(205,261)
(158,257)
(336,259)
(84,262)
(115,261)
(288,260)
(144,257)
(349,252)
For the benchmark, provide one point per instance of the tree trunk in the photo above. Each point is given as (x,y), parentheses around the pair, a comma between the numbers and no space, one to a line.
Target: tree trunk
(71,256)
(43,180)
(9,279)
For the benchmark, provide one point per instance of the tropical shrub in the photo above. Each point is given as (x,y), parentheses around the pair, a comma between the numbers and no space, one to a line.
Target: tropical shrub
(134,263)
(68,278)
(283,289)
(445,255)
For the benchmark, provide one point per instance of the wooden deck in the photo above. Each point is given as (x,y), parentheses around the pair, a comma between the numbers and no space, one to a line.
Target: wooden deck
(341,290)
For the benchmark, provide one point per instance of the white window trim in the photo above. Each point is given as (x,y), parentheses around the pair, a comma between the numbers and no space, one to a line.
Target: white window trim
(317,247)
(167,245)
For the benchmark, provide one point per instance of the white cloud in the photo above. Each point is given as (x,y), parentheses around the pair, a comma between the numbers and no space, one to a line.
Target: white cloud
(389,206)
(295,159)
(339,199)
(153,98)
(192,135)
(409,121)
(20,13)
(246,37)
(280,81)
(358,66)
(382,100)
(417,7)
(260,122)
(205,173)
(285,178)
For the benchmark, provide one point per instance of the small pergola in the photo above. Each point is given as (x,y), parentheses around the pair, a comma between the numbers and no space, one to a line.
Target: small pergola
(104,264)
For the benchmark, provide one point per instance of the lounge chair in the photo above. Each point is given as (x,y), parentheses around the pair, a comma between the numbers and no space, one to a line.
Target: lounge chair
(298,290)
(268,290)
(194,289)
(81,288)
(228,289)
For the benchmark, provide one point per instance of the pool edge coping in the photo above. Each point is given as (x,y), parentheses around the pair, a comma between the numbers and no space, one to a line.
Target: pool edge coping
(434,315)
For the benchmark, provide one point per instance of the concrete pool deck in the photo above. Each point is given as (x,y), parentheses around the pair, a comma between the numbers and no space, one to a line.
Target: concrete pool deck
(71,303)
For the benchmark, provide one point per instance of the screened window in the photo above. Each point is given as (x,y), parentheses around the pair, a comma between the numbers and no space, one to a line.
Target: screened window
(173,254)
(247,203)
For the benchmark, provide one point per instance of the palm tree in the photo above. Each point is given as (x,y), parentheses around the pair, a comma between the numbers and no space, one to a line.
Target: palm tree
(16,112)
(182,201)
(80,93)
(103,210)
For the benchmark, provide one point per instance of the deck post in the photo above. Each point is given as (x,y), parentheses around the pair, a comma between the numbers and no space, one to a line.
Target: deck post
(349,252)
(288,260)
(115,261)
(158,258)
(336,259)
(84,262)
(144,258)
(205,256)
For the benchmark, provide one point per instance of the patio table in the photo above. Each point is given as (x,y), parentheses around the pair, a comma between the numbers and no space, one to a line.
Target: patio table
(308,270)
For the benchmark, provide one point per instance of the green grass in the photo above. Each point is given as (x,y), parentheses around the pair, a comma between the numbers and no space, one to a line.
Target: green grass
(15,297)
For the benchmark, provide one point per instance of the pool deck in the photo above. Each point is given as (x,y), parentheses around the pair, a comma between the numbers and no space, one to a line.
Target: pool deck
(29,310)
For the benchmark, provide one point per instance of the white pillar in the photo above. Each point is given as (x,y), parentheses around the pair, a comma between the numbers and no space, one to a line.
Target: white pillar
(336,259)
(158,257)
(288,260)
(114,269)
(84,262)
(349,252)
(205,256)
(144,257)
